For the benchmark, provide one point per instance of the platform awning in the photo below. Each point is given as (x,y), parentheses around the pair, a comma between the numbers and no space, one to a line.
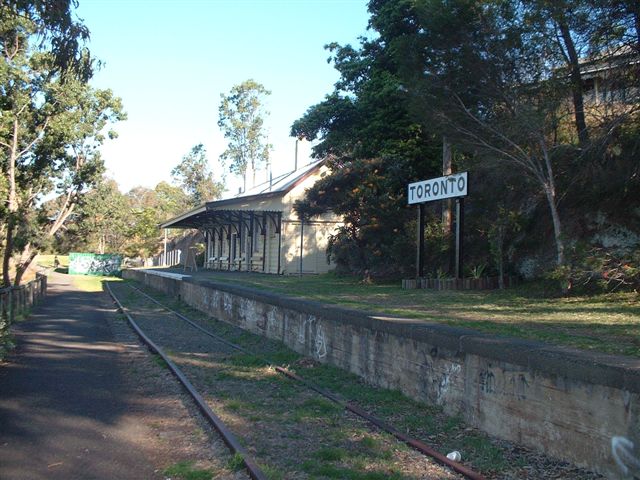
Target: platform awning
(203,218)
(221,212)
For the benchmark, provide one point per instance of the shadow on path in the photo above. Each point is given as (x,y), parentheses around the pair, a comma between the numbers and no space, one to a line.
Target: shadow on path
(63,403)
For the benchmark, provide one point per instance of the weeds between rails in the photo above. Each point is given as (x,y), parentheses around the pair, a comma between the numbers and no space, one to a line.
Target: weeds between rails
(415,444)
(290,429)
(162,359)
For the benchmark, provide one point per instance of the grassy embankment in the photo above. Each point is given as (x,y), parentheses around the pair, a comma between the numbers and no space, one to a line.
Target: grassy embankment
(607,323)
(47,261)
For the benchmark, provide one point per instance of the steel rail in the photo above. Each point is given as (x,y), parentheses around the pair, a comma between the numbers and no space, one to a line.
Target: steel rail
(412,442)
(229,438)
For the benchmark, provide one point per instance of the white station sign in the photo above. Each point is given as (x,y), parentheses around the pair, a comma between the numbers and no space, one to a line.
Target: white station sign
(439,188)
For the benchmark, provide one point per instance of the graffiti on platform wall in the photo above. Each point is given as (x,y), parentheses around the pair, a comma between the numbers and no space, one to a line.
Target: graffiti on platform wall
(94,264)
(508,384)
(319,339)
(626,456)
(442,388)
(320,343)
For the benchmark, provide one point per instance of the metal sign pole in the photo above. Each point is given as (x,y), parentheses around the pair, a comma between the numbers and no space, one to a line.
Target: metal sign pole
(459,237)
(420,253)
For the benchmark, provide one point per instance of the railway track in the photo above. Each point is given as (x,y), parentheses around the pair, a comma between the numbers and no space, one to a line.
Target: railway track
(279,424)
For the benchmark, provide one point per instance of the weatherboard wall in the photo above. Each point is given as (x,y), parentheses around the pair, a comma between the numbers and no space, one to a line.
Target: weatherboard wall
(315,232)
(566,403)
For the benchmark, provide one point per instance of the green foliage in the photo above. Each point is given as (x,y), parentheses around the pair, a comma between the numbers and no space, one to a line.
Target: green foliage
(186,471)
(102,219)
(170,201)
(7,341)
(368,195)
(368,191)
(51,125)
(108,221)
(477,271)
(502,80)
(595,269)
(194,175)
(241,119)
(236,462)
(53,23)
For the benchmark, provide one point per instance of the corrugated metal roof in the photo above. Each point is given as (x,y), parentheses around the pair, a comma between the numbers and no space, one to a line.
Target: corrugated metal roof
(278,186)
(282,183)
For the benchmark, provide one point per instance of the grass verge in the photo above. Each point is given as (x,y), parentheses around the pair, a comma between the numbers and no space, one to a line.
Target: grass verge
(89,283)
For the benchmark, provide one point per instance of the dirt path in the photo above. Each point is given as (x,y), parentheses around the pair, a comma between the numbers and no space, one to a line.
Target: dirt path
(81,399)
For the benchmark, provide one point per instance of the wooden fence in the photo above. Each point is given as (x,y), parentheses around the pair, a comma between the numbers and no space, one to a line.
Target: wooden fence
(484,283)
(171,258)
(16,301)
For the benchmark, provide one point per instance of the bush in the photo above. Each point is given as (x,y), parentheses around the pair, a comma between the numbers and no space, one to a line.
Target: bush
(600,270)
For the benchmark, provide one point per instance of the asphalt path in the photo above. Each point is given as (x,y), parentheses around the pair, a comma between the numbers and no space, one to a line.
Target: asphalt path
(65,411)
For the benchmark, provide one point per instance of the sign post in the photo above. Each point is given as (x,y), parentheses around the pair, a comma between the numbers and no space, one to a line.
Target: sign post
(459,234)
(441,188)
(420,253)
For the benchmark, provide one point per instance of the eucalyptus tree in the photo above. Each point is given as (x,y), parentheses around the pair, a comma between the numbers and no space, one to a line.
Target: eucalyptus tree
(241,119)
(51,124)
(103,220)
(195,177)
(509,109)
(53,27)
(583,36)
(503,80)
(374,147)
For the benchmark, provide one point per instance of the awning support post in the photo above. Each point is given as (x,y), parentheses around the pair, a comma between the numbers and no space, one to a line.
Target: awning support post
(264,242)
(164,255)
(279,232)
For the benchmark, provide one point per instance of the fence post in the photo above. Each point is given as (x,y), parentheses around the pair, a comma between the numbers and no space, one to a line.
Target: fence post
(23,300)
(12,305)
(4,311)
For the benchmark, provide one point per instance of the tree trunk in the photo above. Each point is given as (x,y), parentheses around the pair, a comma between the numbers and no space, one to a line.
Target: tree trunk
(8,252)
(576,82)
(447,205)
(557,228)
(447,216)
(500,254)
(12,205)
(24,265)
(549,188)
(65,211)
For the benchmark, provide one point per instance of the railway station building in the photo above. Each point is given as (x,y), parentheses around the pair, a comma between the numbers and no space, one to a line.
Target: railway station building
(258,230)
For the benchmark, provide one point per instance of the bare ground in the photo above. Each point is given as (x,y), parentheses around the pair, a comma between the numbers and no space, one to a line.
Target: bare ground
(177,433)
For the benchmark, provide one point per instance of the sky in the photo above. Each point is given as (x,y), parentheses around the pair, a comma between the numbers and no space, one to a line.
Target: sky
(170,61)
